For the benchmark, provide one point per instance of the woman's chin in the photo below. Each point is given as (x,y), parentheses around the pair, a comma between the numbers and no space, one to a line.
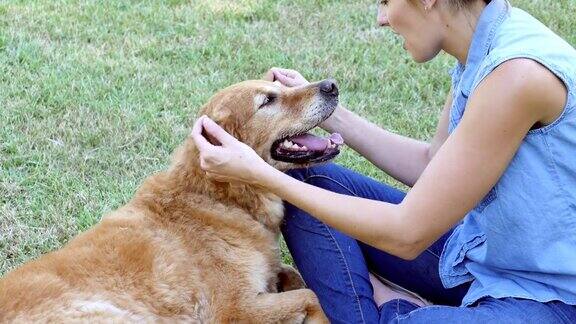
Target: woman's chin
(421,57)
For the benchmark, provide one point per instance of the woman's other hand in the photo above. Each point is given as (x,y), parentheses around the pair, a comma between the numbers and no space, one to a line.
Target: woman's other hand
(232,161)
(288,77)
(292,78)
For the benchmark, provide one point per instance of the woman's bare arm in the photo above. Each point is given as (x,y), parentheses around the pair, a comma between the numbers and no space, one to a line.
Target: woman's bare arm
(401,157)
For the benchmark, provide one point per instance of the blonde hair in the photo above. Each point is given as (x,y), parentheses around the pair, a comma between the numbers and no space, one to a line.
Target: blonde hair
(463,3)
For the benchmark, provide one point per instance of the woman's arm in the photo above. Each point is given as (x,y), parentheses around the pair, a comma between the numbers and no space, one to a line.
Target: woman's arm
(517,95)
(401,157)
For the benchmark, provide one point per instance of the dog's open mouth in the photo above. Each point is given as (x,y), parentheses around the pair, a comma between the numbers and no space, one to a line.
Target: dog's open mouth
(307,148)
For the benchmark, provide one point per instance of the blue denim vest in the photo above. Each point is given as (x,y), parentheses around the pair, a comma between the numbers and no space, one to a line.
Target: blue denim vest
(520,240)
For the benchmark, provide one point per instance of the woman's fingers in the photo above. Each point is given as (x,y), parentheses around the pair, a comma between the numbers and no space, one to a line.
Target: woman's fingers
(290,78)
(201,142)
(208,152)
(211,128)
(231,161)
(269,75)
(287,81)
(218,132)
(287,72)
(272,74)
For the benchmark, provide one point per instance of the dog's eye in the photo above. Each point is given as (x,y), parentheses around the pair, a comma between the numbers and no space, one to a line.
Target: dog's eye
(268,100)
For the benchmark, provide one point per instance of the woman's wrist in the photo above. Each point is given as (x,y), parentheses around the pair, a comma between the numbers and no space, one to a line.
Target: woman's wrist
(331,124)
(269,178)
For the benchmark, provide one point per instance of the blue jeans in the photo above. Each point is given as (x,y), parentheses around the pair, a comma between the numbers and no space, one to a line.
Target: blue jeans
(336,267)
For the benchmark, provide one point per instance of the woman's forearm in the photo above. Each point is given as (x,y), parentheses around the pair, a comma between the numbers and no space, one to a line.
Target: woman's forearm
(401,157)
(380,224)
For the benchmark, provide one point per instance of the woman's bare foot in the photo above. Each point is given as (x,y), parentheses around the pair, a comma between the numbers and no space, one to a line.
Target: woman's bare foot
(383,293)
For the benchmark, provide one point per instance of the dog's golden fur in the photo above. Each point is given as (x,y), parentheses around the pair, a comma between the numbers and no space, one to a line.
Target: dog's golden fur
(185,248)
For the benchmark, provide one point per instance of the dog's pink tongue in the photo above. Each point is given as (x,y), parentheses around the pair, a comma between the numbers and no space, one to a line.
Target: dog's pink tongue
(336,139)
(313,143)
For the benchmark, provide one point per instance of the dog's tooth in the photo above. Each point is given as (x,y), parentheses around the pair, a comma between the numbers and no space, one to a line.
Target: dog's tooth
(304,148)
(285,143)
(296,146)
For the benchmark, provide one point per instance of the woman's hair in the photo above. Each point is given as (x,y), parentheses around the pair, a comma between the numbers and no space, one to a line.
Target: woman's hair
(463,3)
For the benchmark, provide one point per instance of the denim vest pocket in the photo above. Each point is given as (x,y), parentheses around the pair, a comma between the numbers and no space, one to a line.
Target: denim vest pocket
(470,243)
(453,271)
(487,200)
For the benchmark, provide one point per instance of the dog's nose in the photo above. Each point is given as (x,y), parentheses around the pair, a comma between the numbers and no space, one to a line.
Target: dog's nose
(329,87)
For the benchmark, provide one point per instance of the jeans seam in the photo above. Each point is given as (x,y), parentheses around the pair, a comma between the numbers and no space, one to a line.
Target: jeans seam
(397,311)
(347,269)
(333,239)
(333,180)
(409,314)
(434,254)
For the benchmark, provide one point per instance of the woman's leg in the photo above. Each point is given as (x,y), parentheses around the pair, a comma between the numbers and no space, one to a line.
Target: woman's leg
(420,275)
(487,311)
(334,265)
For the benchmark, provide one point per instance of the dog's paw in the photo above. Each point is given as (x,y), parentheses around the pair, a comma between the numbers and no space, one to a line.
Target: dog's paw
(316,318)
(297,319)
(289,279)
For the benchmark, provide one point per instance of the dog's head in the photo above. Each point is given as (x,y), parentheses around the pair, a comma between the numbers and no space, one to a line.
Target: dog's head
(274,120)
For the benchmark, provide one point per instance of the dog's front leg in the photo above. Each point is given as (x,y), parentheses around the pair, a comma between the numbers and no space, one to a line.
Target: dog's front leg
(292,306)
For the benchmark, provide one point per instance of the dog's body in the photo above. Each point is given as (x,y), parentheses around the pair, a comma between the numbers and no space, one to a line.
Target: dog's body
(185,248)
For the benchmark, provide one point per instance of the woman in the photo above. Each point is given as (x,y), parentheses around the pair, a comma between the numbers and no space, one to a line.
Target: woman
(488,230)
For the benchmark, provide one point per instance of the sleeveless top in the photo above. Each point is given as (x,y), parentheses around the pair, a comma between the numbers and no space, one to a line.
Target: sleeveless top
(520,240)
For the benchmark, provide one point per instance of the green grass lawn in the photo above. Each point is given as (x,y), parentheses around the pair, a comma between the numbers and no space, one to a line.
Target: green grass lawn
(95,95)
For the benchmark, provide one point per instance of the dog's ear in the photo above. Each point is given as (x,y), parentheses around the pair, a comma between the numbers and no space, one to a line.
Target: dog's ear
(226,119)
(221,110)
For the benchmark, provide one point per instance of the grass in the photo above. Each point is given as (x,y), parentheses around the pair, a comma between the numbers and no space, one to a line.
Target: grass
(95,95)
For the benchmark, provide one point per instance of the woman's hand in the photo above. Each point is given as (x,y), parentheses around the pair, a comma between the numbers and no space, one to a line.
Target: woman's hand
(292,78)
(289,78)
(232,161)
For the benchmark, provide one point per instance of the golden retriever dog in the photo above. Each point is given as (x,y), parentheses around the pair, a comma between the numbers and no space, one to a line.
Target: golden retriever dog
(187,248)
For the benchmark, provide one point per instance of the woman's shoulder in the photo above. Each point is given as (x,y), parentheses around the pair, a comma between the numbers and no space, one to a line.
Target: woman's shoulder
(521,42)
(522,35)
(527,81)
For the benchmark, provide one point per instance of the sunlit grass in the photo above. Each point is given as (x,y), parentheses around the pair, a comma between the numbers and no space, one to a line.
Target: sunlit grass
(95,95)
